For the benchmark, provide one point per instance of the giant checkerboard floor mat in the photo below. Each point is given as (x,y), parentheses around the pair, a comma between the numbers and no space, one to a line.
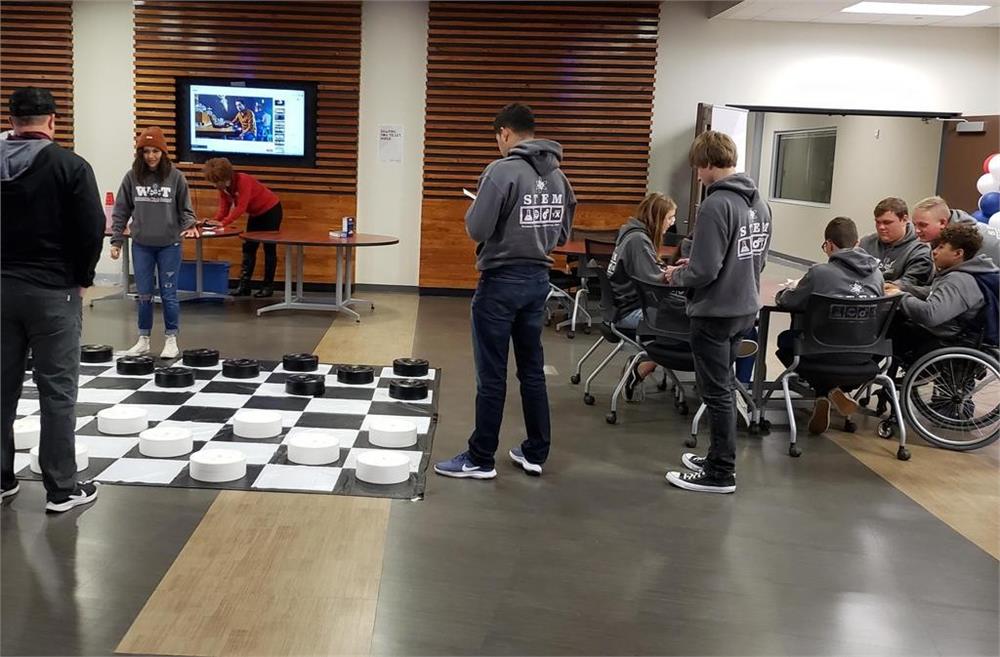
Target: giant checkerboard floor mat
(207,408)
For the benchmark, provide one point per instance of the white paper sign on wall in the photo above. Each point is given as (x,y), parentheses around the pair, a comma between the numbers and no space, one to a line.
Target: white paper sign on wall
(390,143)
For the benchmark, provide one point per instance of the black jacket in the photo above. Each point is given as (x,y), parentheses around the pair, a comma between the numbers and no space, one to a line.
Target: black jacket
(51,218)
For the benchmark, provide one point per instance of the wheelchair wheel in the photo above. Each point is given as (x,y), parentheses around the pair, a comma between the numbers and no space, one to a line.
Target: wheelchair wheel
(951,397)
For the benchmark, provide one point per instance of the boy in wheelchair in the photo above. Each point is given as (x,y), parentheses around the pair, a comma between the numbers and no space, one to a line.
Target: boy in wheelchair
(959,309)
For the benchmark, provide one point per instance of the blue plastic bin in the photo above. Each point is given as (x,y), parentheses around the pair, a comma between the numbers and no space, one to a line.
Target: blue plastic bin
(215,274)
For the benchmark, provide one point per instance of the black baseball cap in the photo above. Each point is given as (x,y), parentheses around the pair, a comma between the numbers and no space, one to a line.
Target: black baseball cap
(32,101)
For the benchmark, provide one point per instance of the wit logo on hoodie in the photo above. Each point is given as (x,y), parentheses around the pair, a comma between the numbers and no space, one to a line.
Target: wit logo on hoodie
(541,209)
(154,193)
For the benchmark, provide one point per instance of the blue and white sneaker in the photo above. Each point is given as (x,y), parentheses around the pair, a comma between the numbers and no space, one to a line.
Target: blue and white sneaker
(462,467)
(517,456)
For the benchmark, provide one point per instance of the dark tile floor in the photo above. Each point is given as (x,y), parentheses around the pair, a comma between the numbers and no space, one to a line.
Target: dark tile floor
(599,556)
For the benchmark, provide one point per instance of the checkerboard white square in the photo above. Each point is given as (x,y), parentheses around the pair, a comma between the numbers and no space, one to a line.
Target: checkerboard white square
(218,400)
(107,447)
(142,471)
(342,406)
(293,477)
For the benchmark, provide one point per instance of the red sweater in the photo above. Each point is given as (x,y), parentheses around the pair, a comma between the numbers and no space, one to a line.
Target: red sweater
(250,196)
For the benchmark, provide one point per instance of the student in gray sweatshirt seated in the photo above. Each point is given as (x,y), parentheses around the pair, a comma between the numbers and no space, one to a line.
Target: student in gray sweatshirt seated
(932,215)
(902,257)
(850,272)
(953,307)
(636,256)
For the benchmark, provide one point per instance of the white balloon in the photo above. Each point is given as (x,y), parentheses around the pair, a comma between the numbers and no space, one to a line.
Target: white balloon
(994,166)
(995,221)
(988,183)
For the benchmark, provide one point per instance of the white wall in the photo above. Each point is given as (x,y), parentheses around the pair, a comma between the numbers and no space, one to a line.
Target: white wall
(393,92)
(902,160)
(807,65)
(719,61)
(104,111)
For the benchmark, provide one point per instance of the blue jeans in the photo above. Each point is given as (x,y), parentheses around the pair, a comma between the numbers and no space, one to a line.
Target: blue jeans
(509,305)
(151,262)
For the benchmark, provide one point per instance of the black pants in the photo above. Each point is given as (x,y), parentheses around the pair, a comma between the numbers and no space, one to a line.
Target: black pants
(509,306)
(270,220)
(713,342)
(48,322)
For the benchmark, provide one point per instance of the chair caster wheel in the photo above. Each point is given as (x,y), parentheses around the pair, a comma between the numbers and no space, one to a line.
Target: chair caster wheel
(794,451)
(570,334)
(575,379)
(661,386)
(611,418)
(586,330)
(691,442)
(588,399)
(886,429)
(850,426)
(753,429)
(765,425)
(548,322)
(682,408)
(903,454)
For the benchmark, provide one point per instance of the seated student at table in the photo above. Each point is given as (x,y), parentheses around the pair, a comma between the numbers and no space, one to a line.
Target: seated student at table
(635,256)
(961,302)
(849,272)
(932,215)
(902,257)
(238,193)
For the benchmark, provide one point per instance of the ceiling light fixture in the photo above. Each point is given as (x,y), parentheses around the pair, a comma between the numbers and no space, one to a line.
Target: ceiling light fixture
(913,9)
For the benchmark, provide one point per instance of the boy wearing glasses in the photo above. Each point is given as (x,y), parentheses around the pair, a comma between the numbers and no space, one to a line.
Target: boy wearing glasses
(850,272)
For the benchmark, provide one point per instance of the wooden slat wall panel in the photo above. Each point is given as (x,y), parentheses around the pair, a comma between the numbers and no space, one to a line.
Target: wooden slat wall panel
(586,68)
(36,49)
(307,41)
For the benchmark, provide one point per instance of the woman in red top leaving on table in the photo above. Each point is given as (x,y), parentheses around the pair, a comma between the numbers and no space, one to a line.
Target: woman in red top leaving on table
(239,193)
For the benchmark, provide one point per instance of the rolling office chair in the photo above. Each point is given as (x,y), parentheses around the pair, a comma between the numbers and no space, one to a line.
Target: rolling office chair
(842,343)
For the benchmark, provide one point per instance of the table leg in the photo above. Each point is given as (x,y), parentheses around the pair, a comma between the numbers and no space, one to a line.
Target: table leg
(299,271)
(344,298)
(199,280)
(760,364)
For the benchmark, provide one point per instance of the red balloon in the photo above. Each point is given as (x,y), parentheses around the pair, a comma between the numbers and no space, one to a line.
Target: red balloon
(986,162)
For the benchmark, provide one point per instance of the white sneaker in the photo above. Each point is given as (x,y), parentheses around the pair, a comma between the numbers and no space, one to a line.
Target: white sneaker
(140,348)
(170,349)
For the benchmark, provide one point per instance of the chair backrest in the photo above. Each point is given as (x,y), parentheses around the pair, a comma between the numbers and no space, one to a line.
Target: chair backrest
(834,325)
(611,310)
(664,311)
(598,253)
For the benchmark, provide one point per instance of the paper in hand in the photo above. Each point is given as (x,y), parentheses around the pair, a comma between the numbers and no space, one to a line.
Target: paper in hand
(468,193)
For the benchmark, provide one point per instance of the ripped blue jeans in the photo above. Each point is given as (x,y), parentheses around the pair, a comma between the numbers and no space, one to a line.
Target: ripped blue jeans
(150,262)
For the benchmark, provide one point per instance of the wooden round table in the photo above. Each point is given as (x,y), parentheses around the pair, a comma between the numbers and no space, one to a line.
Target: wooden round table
(295,239)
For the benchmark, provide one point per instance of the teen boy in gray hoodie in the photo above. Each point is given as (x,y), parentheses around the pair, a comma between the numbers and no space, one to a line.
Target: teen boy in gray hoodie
(902,257)
(932,215)
(955,300)
(850,273)
(523,210)
(729,246)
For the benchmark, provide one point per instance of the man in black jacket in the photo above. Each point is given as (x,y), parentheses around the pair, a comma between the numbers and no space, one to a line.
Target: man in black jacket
(50,241)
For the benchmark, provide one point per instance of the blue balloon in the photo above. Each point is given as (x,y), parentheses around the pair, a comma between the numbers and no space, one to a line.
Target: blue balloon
(989,204)
(979,216)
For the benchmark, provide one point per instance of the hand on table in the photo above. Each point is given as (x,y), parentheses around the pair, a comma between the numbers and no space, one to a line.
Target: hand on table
(116,252)
(191,232)
(681,262)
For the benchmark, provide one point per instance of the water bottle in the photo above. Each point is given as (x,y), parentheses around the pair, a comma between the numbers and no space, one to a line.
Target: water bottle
(350,226)
(109,206)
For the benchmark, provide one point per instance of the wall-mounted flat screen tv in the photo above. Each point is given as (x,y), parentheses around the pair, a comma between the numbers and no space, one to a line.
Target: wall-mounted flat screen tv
(248,121)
